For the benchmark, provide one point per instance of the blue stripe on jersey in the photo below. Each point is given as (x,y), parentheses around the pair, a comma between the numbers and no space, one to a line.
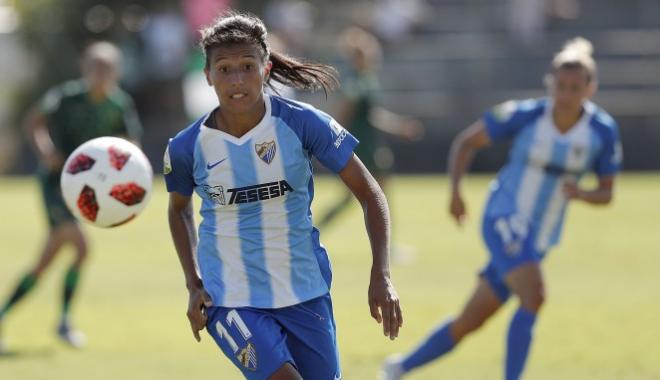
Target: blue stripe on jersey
(511,175)
(550,180)
(594,149)
(207,250)
(250,225)
(304,271)
(181,151)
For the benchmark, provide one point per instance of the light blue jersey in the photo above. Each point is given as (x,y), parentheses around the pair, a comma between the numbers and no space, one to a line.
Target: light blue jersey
(257,245)
(529,187)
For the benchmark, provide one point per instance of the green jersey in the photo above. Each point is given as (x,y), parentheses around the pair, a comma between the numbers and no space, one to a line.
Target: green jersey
(362,90)
(74,118)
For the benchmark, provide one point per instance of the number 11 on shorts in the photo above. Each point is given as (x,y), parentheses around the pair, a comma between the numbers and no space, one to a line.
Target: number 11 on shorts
(233,319)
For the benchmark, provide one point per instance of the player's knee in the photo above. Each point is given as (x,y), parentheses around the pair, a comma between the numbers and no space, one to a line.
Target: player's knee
(37,271)
(534,299)
(81,255)
(465,324)
(286,372)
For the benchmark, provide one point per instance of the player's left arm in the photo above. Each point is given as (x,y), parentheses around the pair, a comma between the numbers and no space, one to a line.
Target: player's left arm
(607,164)
(383,298)
(131,128)
(396,125)
(182,229)
(601,195)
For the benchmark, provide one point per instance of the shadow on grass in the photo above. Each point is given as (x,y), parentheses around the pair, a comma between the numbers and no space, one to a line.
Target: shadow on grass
(41,353)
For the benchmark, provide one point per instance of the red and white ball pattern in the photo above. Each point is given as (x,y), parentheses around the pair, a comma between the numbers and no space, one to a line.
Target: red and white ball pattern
(106,181)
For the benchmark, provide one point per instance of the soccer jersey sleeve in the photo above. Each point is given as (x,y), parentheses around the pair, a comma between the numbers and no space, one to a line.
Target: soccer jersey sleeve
(610,157)
(327,140)
(505,120)
(133,128)
(50,102)
(178,168)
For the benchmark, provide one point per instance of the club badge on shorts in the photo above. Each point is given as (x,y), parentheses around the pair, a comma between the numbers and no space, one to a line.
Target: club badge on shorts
(248,357)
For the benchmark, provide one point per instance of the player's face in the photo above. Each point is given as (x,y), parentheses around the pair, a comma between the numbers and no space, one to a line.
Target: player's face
(99,73)
(570,87)
(237,73)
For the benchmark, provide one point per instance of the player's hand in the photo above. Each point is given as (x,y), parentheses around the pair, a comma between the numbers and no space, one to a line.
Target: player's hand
(571,190)
(198,302)
(53,161)
(384,304)
(457,208)
(413,130)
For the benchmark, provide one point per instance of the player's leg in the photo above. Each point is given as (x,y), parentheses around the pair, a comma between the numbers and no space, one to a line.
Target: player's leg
(54,242)
(71,280)
(526,282)
(482,305)
(484,302)
(515,258)
(254,342)
(312,338)
(286,372)
(65,329)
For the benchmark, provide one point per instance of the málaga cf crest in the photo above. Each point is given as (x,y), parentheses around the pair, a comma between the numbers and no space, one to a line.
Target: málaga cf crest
(266,151)
(248,357)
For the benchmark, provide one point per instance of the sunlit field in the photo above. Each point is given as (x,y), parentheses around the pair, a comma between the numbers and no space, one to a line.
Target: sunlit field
(601,321)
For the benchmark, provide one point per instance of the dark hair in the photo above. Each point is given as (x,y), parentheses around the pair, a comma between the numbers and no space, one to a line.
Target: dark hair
(244,28)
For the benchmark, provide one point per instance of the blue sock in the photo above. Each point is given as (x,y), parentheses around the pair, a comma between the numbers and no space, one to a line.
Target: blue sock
(518,341)
(437,344)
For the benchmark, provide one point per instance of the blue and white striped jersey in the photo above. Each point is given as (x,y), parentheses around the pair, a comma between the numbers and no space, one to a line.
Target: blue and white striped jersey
(541,159)
(257,245)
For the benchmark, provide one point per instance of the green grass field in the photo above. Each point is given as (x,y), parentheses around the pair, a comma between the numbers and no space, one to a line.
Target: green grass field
(601,320)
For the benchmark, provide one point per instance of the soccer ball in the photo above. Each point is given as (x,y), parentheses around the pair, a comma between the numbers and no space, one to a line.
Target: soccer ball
(106,181)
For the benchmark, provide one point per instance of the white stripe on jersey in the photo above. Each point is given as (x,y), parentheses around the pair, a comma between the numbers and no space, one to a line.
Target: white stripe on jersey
(539,154)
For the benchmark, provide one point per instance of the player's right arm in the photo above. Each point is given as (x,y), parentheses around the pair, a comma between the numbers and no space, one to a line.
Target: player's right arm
(182,228)
(461,153)
(35,126)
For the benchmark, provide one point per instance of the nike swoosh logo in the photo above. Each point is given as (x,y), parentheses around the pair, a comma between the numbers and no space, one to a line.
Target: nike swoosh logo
(211,166)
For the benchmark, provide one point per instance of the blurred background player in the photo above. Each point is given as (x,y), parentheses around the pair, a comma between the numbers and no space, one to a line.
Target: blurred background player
(67,116)
(361,114)
(556,140)
(259,278)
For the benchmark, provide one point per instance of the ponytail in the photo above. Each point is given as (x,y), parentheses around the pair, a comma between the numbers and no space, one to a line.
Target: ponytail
(576,53)
(305,76)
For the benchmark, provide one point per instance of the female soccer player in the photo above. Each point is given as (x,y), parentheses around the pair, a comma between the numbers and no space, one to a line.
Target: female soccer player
(556,140)
(259,278)
(363,117)
(69,115)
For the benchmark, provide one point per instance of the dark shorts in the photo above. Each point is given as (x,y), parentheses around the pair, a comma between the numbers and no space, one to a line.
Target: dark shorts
(56,210)
(510,244)
(260,341)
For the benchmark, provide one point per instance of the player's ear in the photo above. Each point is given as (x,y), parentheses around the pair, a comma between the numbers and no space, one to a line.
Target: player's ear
(267,68)
(206,74)
(593,87)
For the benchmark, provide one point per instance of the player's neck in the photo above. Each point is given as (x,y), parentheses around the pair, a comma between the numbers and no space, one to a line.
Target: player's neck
(98,94)
(238,124)
(565,119)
